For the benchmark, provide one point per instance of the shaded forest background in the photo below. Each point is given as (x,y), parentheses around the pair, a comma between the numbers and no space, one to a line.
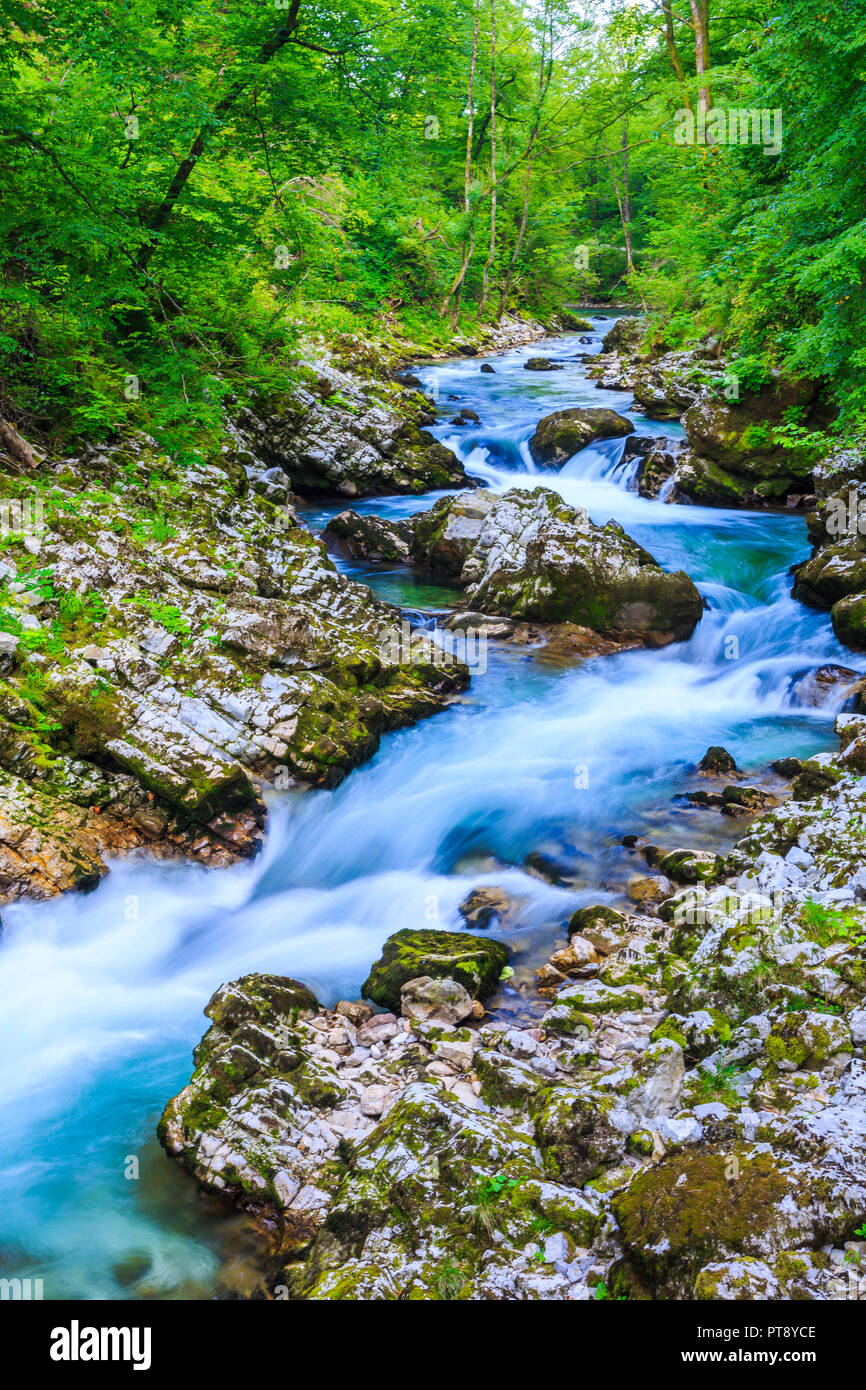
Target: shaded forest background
(191,190)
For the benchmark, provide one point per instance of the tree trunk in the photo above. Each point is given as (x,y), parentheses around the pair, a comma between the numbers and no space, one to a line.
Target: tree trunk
(701,24)
(163,212)
(673,51)
(491,252)
(15,446)
(469,237)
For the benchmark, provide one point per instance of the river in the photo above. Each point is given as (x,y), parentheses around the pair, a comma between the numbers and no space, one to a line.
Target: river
(103,995)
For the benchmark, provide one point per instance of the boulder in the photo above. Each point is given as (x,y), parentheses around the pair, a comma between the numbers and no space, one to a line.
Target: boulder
(351,442)
(484,906)
(558,437)
(827,685)
(476,962)
(369,537)
(686,865)
(541,364)
(436,1001)
(697,1207)
(717,761)
(528,555)
(444,1202)
(739,436)
(626,335)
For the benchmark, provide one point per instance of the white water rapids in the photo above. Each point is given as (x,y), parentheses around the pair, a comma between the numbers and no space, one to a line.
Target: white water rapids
(102,995)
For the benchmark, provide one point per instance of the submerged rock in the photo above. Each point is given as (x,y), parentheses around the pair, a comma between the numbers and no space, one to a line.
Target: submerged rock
(541,364)
(484,906)
(717,762)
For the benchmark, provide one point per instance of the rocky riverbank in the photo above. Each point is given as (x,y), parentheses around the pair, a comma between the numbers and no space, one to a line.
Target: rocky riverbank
(686,1120)
(173,640)
(741,449)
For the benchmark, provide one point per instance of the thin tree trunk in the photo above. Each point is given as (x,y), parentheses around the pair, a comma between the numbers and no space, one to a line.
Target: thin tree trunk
(163,212)
(469,237)
(491,253)
(701,24)
(623,199)
(626,199)
(673,51)
(518,244)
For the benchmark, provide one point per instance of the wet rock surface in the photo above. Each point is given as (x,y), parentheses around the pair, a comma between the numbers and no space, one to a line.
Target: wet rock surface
(559,436)
(174,642)
(529,555)
(685,1121)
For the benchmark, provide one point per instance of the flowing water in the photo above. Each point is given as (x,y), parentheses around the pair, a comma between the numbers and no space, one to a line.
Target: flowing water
(102,995)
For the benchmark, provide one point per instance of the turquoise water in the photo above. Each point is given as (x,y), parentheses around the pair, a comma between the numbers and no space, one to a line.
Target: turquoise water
(103,995)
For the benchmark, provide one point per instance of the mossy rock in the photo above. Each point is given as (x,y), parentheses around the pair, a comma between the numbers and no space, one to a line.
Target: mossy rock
(708,485)
(808,1040)
(476,962)
(559,436)
(688,866)
(259,997)
(691,1208)
(574,1135)
(849,621)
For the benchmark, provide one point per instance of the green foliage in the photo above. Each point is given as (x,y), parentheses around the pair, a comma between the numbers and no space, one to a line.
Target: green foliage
(185,193)
(829,924)
(718,1083)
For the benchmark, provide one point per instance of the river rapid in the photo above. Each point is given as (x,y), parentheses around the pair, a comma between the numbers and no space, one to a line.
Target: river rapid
(102,995)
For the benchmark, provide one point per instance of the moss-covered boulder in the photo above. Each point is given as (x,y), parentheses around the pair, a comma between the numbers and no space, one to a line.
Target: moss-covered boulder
(574,1133)
(626,335)
(541,364)
(848,617)
(259,997)
(740,436)
(707,484)
(528,555)
(809,1040)
(603,926)
(686,865)
(694,1207)
(558,437)
(440,1202)
(476,962)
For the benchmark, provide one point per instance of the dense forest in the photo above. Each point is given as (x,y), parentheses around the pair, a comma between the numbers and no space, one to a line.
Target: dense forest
(188,190)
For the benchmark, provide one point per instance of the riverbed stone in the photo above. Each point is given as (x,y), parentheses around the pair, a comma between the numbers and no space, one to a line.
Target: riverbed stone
(559,436)
(475,962)
(528,555)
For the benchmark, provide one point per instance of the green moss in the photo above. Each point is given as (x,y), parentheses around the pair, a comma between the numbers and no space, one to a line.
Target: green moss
(687,1210)
(669,1030)
(475,962)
